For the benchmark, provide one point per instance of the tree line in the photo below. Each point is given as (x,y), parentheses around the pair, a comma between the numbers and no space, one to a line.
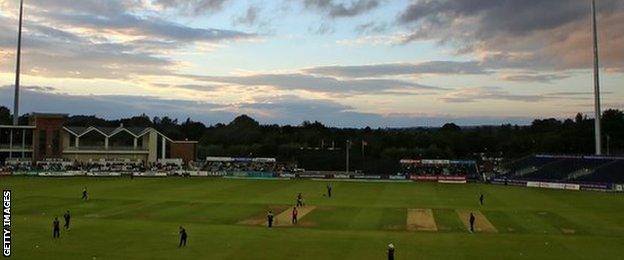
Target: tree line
(314,146)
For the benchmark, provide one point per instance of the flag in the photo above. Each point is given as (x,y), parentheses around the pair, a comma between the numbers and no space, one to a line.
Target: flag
(364,143)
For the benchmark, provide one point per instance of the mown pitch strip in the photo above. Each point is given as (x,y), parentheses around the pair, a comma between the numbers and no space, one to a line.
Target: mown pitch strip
(421,220)
(482,224)
(260,219)
(284,219)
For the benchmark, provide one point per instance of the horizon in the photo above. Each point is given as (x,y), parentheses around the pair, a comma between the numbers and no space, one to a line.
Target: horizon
(261,123)
(377,63)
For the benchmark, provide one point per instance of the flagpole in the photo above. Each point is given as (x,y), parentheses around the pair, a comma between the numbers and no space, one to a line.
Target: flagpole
(362,148)
(363,157)
(347,162)
(598,132)
(17,67)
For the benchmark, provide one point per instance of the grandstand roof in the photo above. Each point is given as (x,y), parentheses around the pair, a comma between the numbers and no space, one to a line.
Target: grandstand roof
(107,131)
(76,130)
(137,130)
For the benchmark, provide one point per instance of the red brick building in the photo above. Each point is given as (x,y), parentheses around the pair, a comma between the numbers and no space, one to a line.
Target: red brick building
(47,137)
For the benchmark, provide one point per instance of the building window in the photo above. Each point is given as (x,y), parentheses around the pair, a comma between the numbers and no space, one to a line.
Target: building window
(56,142)
(42,142)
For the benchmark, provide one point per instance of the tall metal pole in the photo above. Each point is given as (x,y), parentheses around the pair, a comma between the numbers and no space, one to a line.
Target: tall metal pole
(17,66)
(23,143)
(11,144)
(348,148)
(596,82)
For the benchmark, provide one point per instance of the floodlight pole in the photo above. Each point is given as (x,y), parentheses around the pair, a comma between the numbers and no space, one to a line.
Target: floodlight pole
(17,66)
(348,148)
(597,108)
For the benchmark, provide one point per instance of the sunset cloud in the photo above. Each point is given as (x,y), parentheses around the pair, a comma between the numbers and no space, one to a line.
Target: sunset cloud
(380,62)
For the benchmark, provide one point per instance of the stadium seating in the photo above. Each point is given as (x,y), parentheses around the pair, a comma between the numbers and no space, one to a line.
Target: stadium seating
(439,168)
(581,169)
(561,169)
(528,165)
(230,165)
(611,172)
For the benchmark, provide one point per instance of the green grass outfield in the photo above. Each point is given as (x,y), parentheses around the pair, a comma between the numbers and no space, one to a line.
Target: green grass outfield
(139,219)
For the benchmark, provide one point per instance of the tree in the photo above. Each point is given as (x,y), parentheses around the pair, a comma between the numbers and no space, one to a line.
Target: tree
(450,127)
(5,116)
(244,121)
(310,144)
(613,126)
(579,118)
(137,121)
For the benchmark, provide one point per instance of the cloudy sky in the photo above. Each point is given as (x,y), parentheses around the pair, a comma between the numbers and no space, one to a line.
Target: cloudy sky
(380,63)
